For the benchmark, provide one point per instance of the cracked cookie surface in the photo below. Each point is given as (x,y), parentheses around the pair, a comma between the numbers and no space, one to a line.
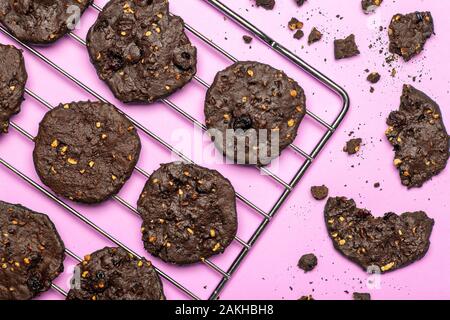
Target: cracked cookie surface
(188,213)
(140,50)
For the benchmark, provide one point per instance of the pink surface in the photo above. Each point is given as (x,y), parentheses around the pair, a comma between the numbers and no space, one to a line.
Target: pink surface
(270,271)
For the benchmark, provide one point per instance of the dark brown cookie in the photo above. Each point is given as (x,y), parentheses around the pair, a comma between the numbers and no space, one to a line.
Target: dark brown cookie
(251,99)
(266,4)
(386,243)
(43,21)
(408,33)
(114,274)
(140,50)
(419,137)
(361,296)
(353,146)
(247,39)
(188,213)
(369,6)
(314,36)
(307,262)
(373,77)
(86,151)
(345,48)
(319,192)
(13,77)
(31,253)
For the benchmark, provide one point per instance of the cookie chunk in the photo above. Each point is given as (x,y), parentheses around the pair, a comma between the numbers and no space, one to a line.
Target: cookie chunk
(385,243)
(353,146)
(12,85)
(253,112)
(300,2)
(419,137)
(369,6)
(141,51)
(345,48)
(408,33)
(373,77)
(307,262)
(188,213)
(86,151)
(314,36)
(41,22)
(31,253)
(361,296)
(266,4)
(114,274)
(319,192)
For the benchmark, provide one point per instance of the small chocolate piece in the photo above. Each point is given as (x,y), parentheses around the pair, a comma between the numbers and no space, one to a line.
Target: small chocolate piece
(253,99)
(373,77)
(307,262)
(86,151)
(319,192)
(419,137)
(314,36)
(370,6)
(379,244)
(408,33)
(41,22)
(114,274)
(353,146)
(31,252)
(188,213)
(361,296)
(310,297)
(12,86)
(295,24)
(345,48)
(266,4)
(141,51)
(299,34)
(247,39)
(300,2)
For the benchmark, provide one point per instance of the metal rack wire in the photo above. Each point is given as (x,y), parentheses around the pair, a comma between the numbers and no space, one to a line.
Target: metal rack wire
(287,186)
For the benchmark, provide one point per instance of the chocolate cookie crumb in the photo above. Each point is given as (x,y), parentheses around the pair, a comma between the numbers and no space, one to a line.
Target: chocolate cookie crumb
(266,4)
(345,48)
(247,39)
(353,146)
(299,34)
(295,24)
(373,77)
(319,192)
(361,296)
(314,36)
(306,298)
(300,2)
(370,6)
(307,262)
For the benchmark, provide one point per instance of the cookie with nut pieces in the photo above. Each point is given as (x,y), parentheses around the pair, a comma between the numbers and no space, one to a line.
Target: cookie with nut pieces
(140,50)
(188,213)
(86,151)
(377,244)
(41,22)
(253,112)
(13,77)
(419,137)
(115,274)
(31,252)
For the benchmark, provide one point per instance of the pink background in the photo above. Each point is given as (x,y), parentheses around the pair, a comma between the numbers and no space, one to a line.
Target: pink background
(270,271)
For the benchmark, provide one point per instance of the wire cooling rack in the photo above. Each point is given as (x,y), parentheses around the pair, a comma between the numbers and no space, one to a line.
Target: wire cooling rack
(307,157)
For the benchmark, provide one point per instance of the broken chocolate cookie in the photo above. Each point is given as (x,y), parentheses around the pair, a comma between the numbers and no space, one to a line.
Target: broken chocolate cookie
(114,274)
(345,48)
(319,192)
(373,77)
(188,213)
(31,253)
(408,33)
(370,6)
(353,146)
(86,151)
(383,243)
(419,137)
(307,262)
(266,4)
(12,85)
(141,51)
(314,36)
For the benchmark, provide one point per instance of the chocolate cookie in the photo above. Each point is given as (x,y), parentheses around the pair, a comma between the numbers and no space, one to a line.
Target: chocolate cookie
(13,77)
(307,262)
(86,151)
(319,192)
(345,48)
(353,146)
(43,21)
(314,36)
(266,4)
(369,6)
(31,253)
(114,274)
(385,243)
(260,109)
(188,213)
(140,50)
(419,137)
(373,77)
(408,33)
